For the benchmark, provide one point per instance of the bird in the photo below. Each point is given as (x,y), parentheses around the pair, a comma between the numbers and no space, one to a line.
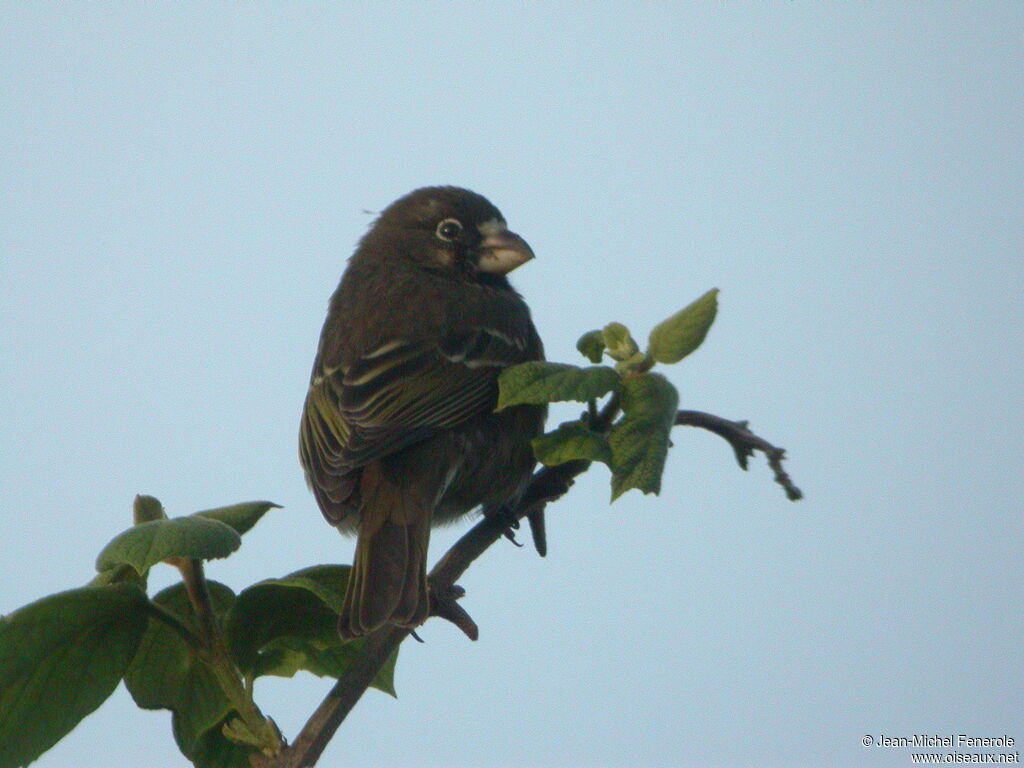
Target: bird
(399,430)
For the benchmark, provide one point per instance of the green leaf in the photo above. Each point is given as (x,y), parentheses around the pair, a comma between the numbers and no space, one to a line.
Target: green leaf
(591,345)
(213,749)
(619,341)
(572,440)
(304,604)
(639,441)
(120,574)
(199,713)
(147,544)
(168,673)
(285,656)
(281,626)
(146,508)
(60,658)
(242,517)
(640,362)
(540,382)
(675,338)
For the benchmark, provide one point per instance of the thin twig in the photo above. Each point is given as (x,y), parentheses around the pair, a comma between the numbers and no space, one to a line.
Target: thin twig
(198,590)
(538,531)
(445,606)
(744,443)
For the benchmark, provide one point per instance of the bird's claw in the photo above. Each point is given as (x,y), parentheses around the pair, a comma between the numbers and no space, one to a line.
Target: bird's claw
(508,534)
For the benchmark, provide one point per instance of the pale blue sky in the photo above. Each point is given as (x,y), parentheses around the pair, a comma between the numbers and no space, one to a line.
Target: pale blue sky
(182,185)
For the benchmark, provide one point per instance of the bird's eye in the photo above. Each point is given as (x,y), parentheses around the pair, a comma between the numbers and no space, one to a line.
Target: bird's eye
(449,229)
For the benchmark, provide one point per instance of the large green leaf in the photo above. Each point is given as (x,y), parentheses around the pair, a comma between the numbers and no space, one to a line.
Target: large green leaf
(572,440)
(147,544)
(241,517)
(60,658)
(540,382)
(639,441)
(675,338)
(281,626)
(304,604)
(168,673)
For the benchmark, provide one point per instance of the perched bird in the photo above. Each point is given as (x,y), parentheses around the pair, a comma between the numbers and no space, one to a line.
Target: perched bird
(399,430)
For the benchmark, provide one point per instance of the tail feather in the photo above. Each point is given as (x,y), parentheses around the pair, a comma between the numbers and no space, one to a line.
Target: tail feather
(413,607)
(388,581)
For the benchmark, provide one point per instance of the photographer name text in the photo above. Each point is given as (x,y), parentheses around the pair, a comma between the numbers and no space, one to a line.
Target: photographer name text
(937,740)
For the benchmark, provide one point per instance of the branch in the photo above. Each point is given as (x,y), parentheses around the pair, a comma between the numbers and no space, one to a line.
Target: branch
(547,485)
(744,443)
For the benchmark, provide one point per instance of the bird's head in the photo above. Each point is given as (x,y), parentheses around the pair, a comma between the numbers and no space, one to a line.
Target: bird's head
(449,230)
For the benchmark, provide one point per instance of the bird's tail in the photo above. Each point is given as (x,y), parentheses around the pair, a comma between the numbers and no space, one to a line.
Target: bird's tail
(388,581)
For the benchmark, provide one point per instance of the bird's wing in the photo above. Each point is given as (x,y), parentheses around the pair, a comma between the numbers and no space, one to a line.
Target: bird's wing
(398,394)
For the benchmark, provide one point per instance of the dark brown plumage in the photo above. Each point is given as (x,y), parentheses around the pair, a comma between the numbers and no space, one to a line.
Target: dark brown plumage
(399,431)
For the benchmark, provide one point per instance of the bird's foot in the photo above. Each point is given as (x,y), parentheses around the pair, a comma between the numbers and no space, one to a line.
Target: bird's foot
(535,518)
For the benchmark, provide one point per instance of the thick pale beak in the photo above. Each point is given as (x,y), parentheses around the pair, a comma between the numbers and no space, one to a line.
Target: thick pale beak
(501,252)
